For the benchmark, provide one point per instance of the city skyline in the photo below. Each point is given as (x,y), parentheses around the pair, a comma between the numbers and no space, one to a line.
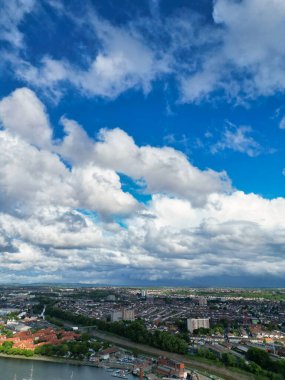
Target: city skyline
(142,143)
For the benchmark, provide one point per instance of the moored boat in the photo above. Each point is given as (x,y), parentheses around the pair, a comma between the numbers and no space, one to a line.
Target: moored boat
(120,373)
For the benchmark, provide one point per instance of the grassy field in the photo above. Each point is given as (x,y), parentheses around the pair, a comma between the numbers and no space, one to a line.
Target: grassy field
(268,294)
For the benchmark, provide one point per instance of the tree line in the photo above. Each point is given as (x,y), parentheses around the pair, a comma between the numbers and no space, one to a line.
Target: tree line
(7,348)
(135,330)
(258,363)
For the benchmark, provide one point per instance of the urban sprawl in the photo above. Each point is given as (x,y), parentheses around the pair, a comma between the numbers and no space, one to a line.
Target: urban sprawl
(159,333)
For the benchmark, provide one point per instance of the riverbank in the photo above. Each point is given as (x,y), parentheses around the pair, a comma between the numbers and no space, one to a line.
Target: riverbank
(123,342)
(50,359)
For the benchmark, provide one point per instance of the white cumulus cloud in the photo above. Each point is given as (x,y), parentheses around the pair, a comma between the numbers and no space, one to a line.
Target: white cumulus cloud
(76,222)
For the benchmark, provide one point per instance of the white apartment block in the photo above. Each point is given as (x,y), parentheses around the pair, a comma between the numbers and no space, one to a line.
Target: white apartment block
(196,323)
(122,315)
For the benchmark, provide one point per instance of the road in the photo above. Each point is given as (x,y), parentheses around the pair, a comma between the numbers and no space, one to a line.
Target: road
(218,371)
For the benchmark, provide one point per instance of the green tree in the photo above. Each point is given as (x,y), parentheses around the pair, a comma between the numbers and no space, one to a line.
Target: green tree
(260,357)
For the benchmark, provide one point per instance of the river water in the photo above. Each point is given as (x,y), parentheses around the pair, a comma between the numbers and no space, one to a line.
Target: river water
(17,369)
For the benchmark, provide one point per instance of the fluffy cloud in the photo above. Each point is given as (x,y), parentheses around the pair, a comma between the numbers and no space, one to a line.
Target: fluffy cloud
(177,242)
(237,54)
(23,114)
(228,232)
(31,176)
(123,62)
(42,179)
(256,40)
(76,223)
(77,147)
(161,170)
(249,59)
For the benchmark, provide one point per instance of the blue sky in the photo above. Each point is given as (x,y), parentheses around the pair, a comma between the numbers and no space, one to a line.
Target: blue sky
(138,136)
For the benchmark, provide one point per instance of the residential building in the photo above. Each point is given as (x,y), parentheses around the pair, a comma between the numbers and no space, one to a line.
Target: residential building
(202,301)
(196,323)
(116,315)
(128,315)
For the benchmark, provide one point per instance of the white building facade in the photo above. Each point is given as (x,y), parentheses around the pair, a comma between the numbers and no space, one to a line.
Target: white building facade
(196,323)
